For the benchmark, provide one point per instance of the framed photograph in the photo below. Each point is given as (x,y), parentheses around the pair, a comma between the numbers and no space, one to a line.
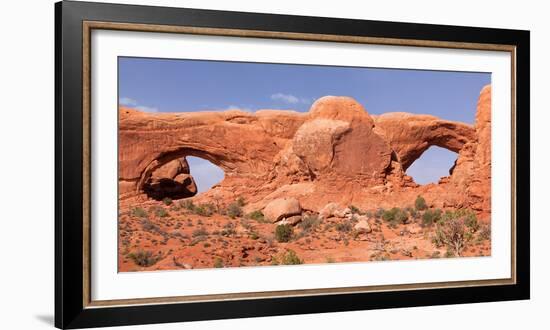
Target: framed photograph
(214,164)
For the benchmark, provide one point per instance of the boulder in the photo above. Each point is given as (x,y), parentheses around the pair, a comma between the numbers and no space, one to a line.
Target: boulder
(171,180)
(282,208)
(334,210)
(362,226)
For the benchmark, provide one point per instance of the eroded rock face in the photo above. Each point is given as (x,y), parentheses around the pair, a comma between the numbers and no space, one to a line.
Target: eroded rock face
(336,152)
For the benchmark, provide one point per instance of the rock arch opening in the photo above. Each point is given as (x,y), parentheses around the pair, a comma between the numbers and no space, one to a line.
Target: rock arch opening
(175,174)
(432,165)
(205,173)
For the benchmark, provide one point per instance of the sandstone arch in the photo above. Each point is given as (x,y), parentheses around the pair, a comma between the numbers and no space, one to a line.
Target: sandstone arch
(239,143)
(410,135)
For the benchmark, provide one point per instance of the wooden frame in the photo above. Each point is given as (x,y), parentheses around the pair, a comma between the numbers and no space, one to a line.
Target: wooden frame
(74,23)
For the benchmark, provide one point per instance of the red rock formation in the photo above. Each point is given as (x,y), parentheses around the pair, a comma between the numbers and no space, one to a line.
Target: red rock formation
(172,180)
(336,152)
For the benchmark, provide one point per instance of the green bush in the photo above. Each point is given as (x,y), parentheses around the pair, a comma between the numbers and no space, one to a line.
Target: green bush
(420,203)
(451,233)
(469,217)
(205,210)
(218,263)
(139,212)
(199,232)
(430,217)
(283,233)
(379,212)
(167,201)
(354,209)
(149,226)
(144,258)
(309,222)
(484,233)
(234,210)
(240,201)
(470,220)
(228,230)
(395,216)
(413,212)
(344,227)
(257,215)
(188,204)
(291,258)
(161,212)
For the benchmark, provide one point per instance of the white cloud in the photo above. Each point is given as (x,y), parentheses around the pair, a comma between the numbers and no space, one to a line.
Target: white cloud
(289,98)
(146,109)
(129,102)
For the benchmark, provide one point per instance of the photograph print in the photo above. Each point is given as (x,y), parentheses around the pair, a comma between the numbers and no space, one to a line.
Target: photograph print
(240,164)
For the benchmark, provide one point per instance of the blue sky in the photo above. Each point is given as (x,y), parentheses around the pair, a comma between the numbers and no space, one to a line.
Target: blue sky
(167,85)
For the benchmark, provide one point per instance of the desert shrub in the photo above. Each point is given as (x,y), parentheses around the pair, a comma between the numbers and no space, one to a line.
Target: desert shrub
(246,224)
(470,220)
(430,217)
(379,212)
(291,258)
(228,230)
(469,217)
(451,233)
(274,261)
(187,204)
(167,201)
(218,263)
(283,233)
(254,235)
(139,212)
(161,212)
(257,215)
(395,216)
(354,209)
(412,212)
(234,210)
(149,226)
(199,232)
(420,203)
(401,216)
(484,232)
(144,258)
(344,227)
(449,254)
(240,201)
(309,222)
(204,210)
